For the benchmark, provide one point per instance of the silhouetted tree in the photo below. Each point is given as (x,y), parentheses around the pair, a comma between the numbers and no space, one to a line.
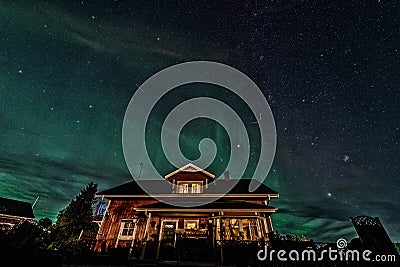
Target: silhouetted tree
(48,232)
(77,216)
(46,223)
(27,234)
(397,246)
(276,235)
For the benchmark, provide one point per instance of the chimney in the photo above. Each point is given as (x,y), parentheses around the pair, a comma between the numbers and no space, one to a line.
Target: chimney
(226,175)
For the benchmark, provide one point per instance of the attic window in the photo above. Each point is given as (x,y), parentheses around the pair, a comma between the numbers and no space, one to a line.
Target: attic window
(189,187)
(195,188)
(184,188)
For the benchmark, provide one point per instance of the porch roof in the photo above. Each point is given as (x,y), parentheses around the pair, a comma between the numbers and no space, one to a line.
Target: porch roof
(210,207)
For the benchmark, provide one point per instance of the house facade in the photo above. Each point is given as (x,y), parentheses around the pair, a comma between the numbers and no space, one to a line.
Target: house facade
(13,212)
(156,226)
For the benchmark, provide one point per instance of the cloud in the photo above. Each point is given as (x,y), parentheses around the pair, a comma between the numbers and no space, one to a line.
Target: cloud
(133,46)
(55,181)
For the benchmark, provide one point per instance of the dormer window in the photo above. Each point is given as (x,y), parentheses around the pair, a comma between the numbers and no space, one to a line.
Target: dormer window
(185,187)
(195,188)
(189,179)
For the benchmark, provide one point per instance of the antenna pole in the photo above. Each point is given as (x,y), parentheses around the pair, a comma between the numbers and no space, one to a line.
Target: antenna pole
(34,203)
(140,172)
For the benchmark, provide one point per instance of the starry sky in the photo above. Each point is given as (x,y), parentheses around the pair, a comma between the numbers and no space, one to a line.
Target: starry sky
(329,70)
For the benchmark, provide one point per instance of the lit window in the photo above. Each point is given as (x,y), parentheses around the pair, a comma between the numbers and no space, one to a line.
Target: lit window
(191,224)
(195,188)
(188,187)
(184,188)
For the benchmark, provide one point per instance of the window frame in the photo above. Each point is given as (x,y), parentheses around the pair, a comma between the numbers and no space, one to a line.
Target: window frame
(128,236)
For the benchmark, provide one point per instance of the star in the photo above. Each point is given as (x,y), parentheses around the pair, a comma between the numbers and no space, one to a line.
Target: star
(329,194)
(20,72)
(346,158)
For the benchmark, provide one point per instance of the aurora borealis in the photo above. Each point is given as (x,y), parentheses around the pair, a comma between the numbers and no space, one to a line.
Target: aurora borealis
(329,71)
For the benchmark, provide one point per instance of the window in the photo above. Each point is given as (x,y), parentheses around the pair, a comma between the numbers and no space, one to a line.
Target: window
(189,187)
(184,189)
(101,209)
(238,229)
(127,228)
(191,224)
(195,188)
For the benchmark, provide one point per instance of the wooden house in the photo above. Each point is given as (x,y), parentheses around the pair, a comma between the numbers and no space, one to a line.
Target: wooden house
(13,212)
(148,227)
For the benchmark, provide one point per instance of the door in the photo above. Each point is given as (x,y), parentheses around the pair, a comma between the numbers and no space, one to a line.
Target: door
(168,231)
(166,249)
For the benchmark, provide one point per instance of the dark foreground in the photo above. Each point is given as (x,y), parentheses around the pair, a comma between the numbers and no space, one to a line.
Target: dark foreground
(233,256)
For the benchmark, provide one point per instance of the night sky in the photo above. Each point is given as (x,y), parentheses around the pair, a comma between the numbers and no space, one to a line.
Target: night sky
(329,70)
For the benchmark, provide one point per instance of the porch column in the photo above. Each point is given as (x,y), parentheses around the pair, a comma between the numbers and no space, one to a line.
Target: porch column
(133,237)
(222,236)
(241,229)
(259,228)
(159,238)
(146,233)
(119,234)
(214,239)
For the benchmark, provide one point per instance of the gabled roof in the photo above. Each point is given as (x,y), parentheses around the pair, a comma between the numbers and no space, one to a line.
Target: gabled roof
(17,208)
(190,167)
(134,188)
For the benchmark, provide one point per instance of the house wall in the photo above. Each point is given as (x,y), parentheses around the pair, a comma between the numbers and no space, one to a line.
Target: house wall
(6,222)
(123,208)
(118,210)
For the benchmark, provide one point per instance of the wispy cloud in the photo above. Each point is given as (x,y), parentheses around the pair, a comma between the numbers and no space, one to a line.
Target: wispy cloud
(56,182)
